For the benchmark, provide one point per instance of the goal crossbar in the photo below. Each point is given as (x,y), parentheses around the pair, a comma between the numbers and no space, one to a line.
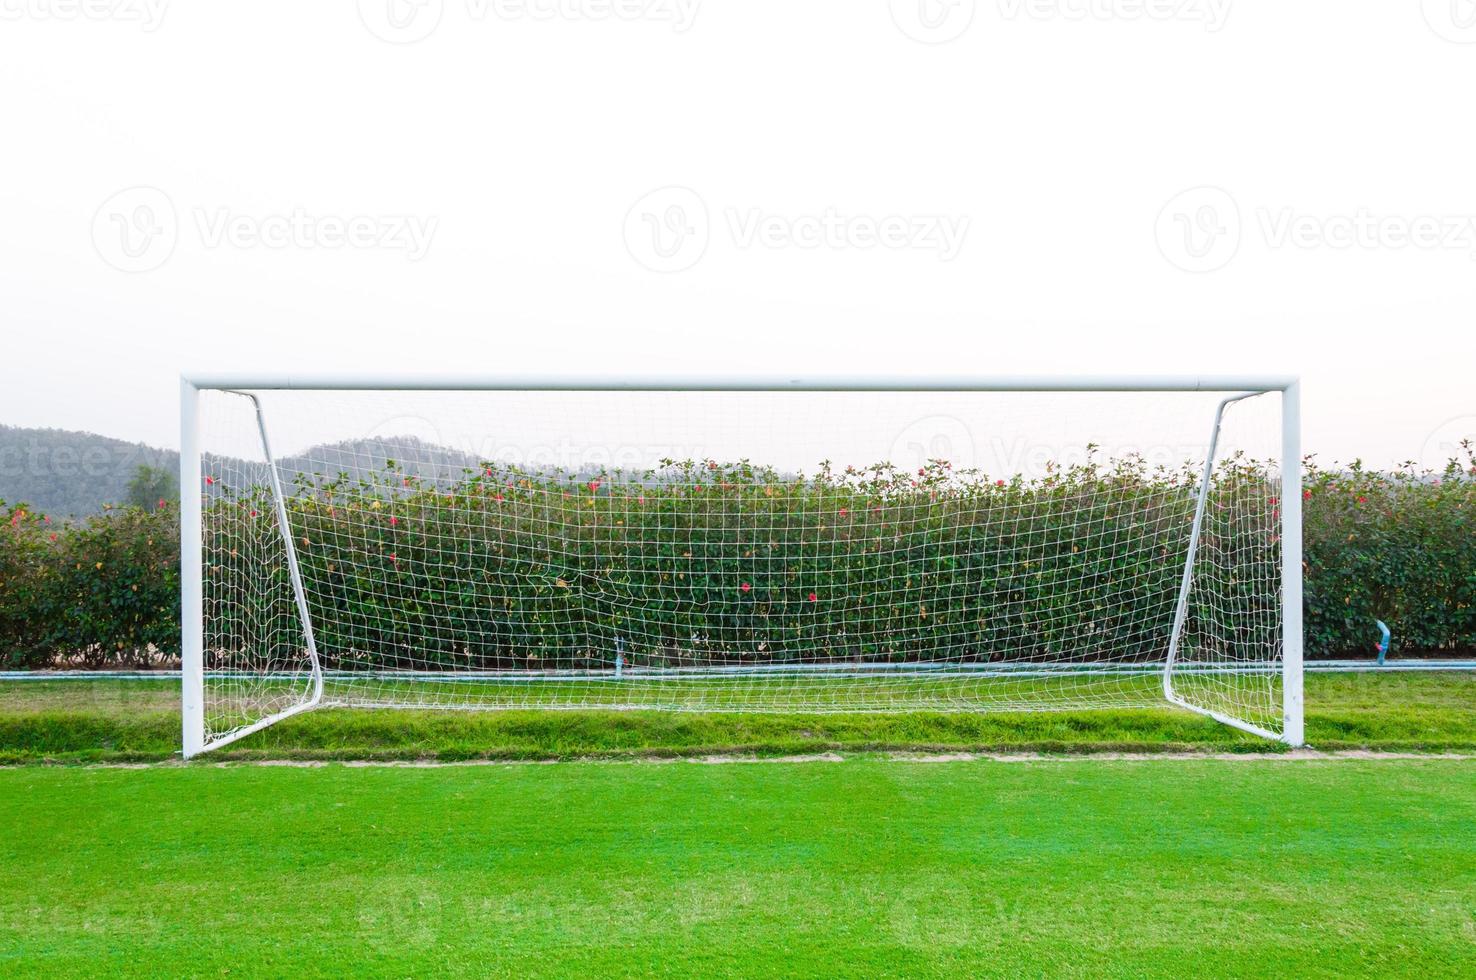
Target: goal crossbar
(534,382)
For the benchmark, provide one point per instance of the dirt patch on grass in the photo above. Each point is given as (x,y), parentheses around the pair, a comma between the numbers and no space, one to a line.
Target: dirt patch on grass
(1294,756)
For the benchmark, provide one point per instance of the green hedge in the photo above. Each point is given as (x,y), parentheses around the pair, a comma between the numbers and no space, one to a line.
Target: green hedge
(725,563)
(539,569)
(1400,547)
(103,592)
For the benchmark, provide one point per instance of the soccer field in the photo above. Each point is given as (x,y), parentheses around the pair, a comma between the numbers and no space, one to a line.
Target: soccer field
(644,856)
(864,867)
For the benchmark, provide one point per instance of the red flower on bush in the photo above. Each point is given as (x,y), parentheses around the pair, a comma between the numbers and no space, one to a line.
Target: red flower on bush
(1362,499)
(843,512)
(162,504)
(999,483)
(53,535)
(393,558)
(594,485)
(1306,494)
(813,597)
(394,520)
(209,481)
(253,513)
(499,498)
(745,587)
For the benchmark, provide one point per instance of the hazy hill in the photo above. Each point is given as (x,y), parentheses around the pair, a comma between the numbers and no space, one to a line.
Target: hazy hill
(359,457)
(71,473)
(74,474)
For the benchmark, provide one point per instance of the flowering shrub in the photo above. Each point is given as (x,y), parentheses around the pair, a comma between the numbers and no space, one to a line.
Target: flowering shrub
(1398,546)
(741,563)
(100,593)
(21,561)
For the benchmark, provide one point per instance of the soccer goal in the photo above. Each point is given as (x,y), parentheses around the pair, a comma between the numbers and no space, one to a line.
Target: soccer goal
(748,545)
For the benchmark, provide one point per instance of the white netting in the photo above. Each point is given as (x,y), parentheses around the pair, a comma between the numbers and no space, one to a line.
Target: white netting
(256,660)
(745,551)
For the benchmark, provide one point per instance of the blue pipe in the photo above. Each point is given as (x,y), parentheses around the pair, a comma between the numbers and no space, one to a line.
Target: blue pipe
(1384,644)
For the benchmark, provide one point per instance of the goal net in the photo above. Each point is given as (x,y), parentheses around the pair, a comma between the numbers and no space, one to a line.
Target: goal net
(750,549)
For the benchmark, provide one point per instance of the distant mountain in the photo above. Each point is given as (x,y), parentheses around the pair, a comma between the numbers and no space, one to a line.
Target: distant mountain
(412,456)
(71,474)
(355,458)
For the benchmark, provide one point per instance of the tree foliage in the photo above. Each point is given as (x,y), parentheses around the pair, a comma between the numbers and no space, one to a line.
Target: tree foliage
(152,486)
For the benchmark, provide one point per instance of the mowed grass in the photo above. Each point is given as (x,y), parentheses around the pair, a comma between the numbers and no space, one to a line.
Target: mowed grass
(867,867)
(138,721)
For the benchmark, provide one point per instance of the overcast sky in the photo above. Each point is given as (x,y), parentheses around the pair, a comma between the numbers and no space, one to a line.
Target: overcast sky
(653,186)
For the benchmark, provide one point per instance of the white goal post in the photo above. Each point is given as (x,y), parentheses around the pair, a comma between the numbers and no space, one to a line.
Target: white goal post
(851,544)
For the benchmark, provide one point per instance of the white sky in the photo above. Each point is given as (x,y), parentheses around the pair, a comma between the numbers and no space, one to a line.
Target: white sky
(502,179)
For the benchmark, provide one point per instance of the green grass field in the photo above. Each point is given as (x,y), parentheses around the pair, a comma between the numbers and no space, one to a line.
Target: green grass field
(138,721)
(867,867)
(854,864)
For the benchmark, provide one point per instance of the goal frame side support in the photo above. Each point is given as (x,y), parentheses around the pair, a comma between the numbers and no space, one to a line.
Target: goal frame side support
(1290,531)
(1293,722)
(191,573)
(192,618)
